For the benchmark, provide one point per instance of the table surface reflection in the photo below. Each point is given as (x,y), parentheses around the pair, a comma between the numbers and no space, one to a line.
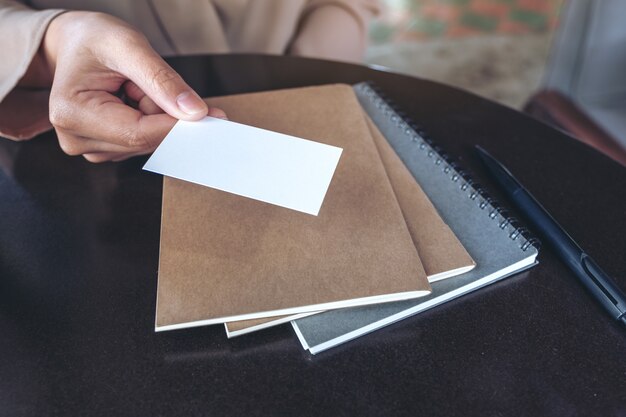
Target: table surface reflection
(78,266)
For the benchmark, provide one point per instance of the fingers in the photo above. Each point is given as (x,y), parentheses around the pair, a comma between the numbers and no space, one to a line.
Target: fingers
(101,127)
(219,113)
(75,145)
(147,106)
(101,116)
(144,103)
(162,84)
(95,150)
(97,158)
(93,56)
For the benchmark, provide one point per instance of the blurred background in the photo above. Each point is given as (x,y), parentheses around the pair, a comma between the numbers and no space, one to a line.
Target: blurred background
(495,48)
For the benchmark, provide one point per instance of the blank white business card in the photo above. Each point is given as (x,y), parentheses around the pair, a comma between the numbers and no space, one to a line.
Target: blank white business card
(260,164)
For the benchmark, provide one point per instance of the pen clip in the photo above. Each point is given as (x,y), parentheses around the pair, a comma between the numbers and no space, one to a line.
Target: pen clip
(602,282)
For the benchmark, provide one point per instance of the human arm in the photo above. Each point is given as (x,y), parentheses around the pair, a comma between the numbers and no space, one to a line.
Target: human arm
(334,29)
(91,59)
(23,111)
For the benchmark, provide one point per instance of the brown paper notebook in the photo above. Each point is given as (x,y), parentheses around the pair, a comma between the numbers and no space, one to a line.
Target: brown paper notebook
(225,257)
(440,251)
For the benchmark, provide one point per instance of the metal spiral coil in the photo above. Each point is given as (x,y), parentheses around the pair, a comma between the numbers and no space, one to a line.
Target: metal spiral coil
(451,168)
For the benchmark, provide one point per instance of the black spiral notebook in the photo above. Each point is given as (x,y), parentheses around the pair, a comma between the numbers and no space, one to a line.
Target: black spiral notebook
(498,245)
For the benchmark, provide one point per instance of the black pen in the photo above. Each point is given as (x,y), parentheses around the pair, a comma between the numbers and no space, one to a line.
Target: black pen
(588,272)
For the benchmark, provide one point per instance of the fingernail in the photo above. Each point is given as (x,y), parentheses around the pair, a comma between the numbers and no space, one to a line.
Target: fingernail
(190,103)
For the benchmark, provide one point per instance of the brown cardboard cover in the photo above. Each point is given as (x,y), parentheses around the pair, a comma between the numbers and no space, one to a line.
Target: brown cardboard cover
(441,253)
(226,257)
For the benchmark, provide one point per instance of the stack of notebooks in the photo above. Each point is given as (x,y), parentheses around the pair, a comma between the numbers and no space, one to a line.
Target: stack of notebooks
(399,231)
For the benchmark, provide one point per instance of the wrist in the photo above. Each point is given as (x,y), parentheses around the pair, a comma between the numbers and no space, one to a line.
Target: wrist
(52,40)
(39,73)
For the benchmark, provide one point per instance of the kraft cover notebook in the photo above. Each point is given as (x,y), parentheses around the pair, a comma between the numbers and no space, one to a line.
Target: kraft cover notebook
(225,257)
(496,244)
(440,251)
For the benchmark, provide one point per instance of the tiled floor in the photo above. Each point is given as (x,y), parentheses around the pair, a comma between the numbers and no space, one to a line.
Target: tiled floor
(495,48)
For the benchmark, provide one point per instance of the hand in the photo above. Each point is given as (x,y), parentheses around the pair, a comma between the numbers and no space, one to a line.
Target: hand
(95,59)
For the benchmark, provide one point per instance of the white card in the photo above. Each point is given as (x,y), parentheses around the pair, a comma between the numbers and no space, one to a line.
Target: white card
(268,166)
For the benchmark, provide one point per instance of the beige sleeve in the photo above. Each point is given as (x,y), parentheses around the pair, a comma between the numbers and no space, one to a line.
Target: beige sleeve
(21,32)
(335,29)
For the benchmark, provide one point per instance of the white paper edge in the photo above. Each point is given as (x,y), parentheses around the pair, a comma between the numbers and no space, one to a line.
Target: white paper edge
(514,268)
(296,310)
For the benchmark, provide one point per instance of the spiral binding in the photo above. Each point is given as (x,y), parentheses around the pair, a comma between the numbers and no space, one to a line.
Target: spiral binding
(449,167)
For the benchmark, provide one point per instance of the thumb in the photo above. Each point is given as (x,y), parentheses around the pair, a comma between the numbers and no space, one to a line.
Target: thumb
(163,85)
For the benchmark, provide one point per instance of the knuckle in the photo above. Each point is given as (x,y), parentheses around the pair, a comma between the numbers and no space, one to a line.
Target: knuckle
(60,114)
(129,36)
(116,30)
(164,76)
(134,139)
(69,145)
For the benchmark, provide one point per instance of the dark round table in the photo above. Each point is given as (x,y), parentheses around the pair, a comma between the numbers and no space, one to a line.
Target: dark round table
(79,245)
